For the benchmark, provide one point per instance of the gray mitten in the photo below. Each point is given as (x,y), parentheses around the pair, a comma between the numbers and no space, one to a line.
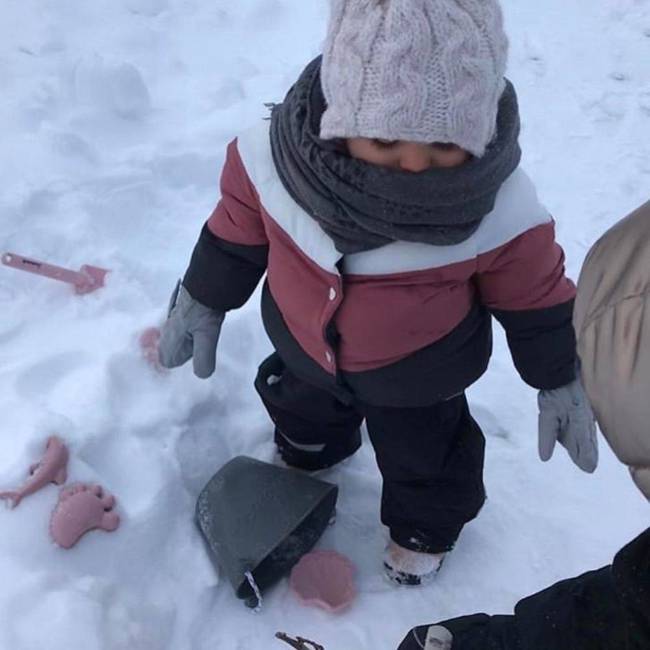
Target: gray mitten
(565,416)
(190,331)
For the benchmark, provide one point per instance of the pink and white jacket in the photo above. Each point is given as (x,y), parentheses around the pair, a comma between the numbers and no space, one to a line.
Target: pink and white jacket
(407,324)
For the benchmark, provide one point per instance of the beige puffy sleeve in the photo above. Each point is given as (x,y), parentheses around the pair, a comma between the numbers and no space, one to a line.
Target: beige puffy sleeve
(612,323)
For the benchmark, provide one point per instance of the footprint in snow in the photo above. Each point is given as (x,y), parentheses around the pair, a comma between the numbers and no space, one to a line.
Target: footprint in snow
(534,58)
(200,453)
(74,147)
(266,14)
(609,107)
(149,8)
(644,103)
(619,76)
(43,377)
(642,163)
(230,93)
(185,170)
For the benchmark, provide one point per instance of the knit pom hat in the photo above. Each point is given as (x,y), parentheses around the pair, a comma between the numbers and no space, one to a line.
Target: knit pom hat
(416,70)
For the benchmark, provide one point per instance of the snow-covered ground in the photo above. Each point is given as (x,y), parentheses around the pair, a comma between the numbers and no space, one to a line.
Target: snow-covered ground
(114,116)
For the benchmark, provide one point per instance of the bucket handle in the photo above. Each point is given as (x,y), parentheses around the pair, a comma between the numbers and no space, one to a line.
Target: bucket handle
(257,607)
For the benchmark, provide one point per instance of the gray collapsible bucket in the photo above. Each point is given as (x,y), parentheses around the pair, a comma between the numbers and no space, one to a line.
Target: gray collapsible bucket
(259,518)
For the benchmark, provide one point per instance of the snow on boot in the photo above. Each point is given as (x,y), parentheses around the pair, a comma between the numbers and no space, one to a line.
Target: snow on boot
(412,568)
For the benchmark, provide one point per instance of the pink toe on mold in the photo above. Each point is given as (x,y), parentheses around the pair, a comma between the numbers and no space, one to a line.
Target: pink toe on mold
(82,508)
(324,579)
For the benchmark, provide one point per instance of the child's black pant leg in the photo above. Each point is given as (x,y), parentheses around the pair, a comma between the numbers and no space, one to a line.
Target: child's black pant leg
(431,460)
(313,429)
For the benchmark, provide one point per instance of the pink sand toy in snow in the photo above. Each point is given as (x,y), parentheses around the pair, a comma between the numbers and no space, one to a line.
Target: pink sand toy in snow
(86,279)
(149,340)
(324,579)
(52,468)
(82,508)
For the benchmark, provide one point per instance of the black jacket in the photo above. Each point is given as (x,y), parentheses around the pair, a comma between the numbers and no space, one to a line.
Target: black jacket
(608,609)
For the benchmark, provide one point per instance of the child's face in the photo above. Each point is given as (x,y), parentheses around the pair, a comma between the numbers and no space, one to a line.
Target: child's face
(406,156)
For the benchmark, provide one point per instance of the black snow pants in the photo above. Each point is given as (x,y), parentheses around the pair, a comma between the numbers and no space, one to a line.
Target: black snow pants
(430,458)
(607,609)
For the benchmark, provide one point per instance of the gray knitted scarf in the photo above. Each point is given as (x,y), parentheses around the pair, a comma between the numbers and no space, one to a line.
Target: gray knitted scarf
(363,206)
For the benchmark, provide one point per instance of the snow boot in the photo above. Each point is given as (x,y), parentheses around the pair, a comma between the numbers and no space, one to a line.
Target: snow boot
(410,568)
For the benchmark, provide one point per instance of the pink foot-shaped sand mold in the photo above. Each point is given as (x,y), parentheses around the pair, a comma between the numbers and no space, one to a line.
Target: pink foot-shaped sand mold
(52,468)
(82,508)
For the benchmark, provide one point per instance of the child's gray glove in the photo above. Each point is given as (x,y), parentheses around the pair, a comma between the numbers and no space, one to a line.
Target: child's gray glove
(565,416)
(190,331)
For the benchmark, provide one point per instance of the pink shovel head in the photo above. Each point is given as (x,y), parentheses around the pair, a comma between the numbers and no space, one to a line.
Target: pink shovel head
(90,278)
(324,579)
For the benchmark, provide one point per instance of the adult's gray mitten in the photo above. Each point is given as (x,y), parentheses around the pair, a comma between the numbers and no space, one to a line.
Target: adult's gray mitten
(190,331)
(565,416)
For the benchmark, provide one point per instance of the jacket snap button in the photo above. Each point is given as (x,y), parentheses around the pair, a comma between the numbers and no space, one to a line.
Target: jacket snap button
(332,293)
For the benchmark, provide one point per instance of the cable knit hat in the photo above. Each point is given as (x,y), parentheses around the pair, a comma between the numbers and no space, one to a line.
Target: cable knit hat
(417,70)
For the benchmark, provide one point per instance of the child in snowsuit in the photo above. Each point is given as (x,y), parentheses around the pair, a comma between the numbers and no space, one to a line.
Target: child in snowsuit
(385,203)
(608,609)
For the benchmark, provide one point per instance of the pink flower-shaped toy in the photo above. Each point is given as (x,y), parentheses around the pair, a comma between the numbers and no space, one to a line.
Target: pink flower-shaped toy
(324,579)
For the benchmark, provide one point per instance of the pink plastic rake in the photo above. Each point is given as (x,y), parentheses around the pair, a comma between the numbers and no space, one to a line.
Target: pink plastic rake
(86,279)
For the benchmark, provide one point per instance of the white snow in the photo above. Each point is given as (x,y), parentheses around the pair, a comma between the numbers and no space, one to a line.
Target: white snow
(115,115)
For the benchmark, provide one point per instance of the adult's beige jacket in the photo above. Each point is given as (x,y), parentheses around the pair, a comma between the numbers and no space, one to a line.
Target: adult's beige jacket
(612,322)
